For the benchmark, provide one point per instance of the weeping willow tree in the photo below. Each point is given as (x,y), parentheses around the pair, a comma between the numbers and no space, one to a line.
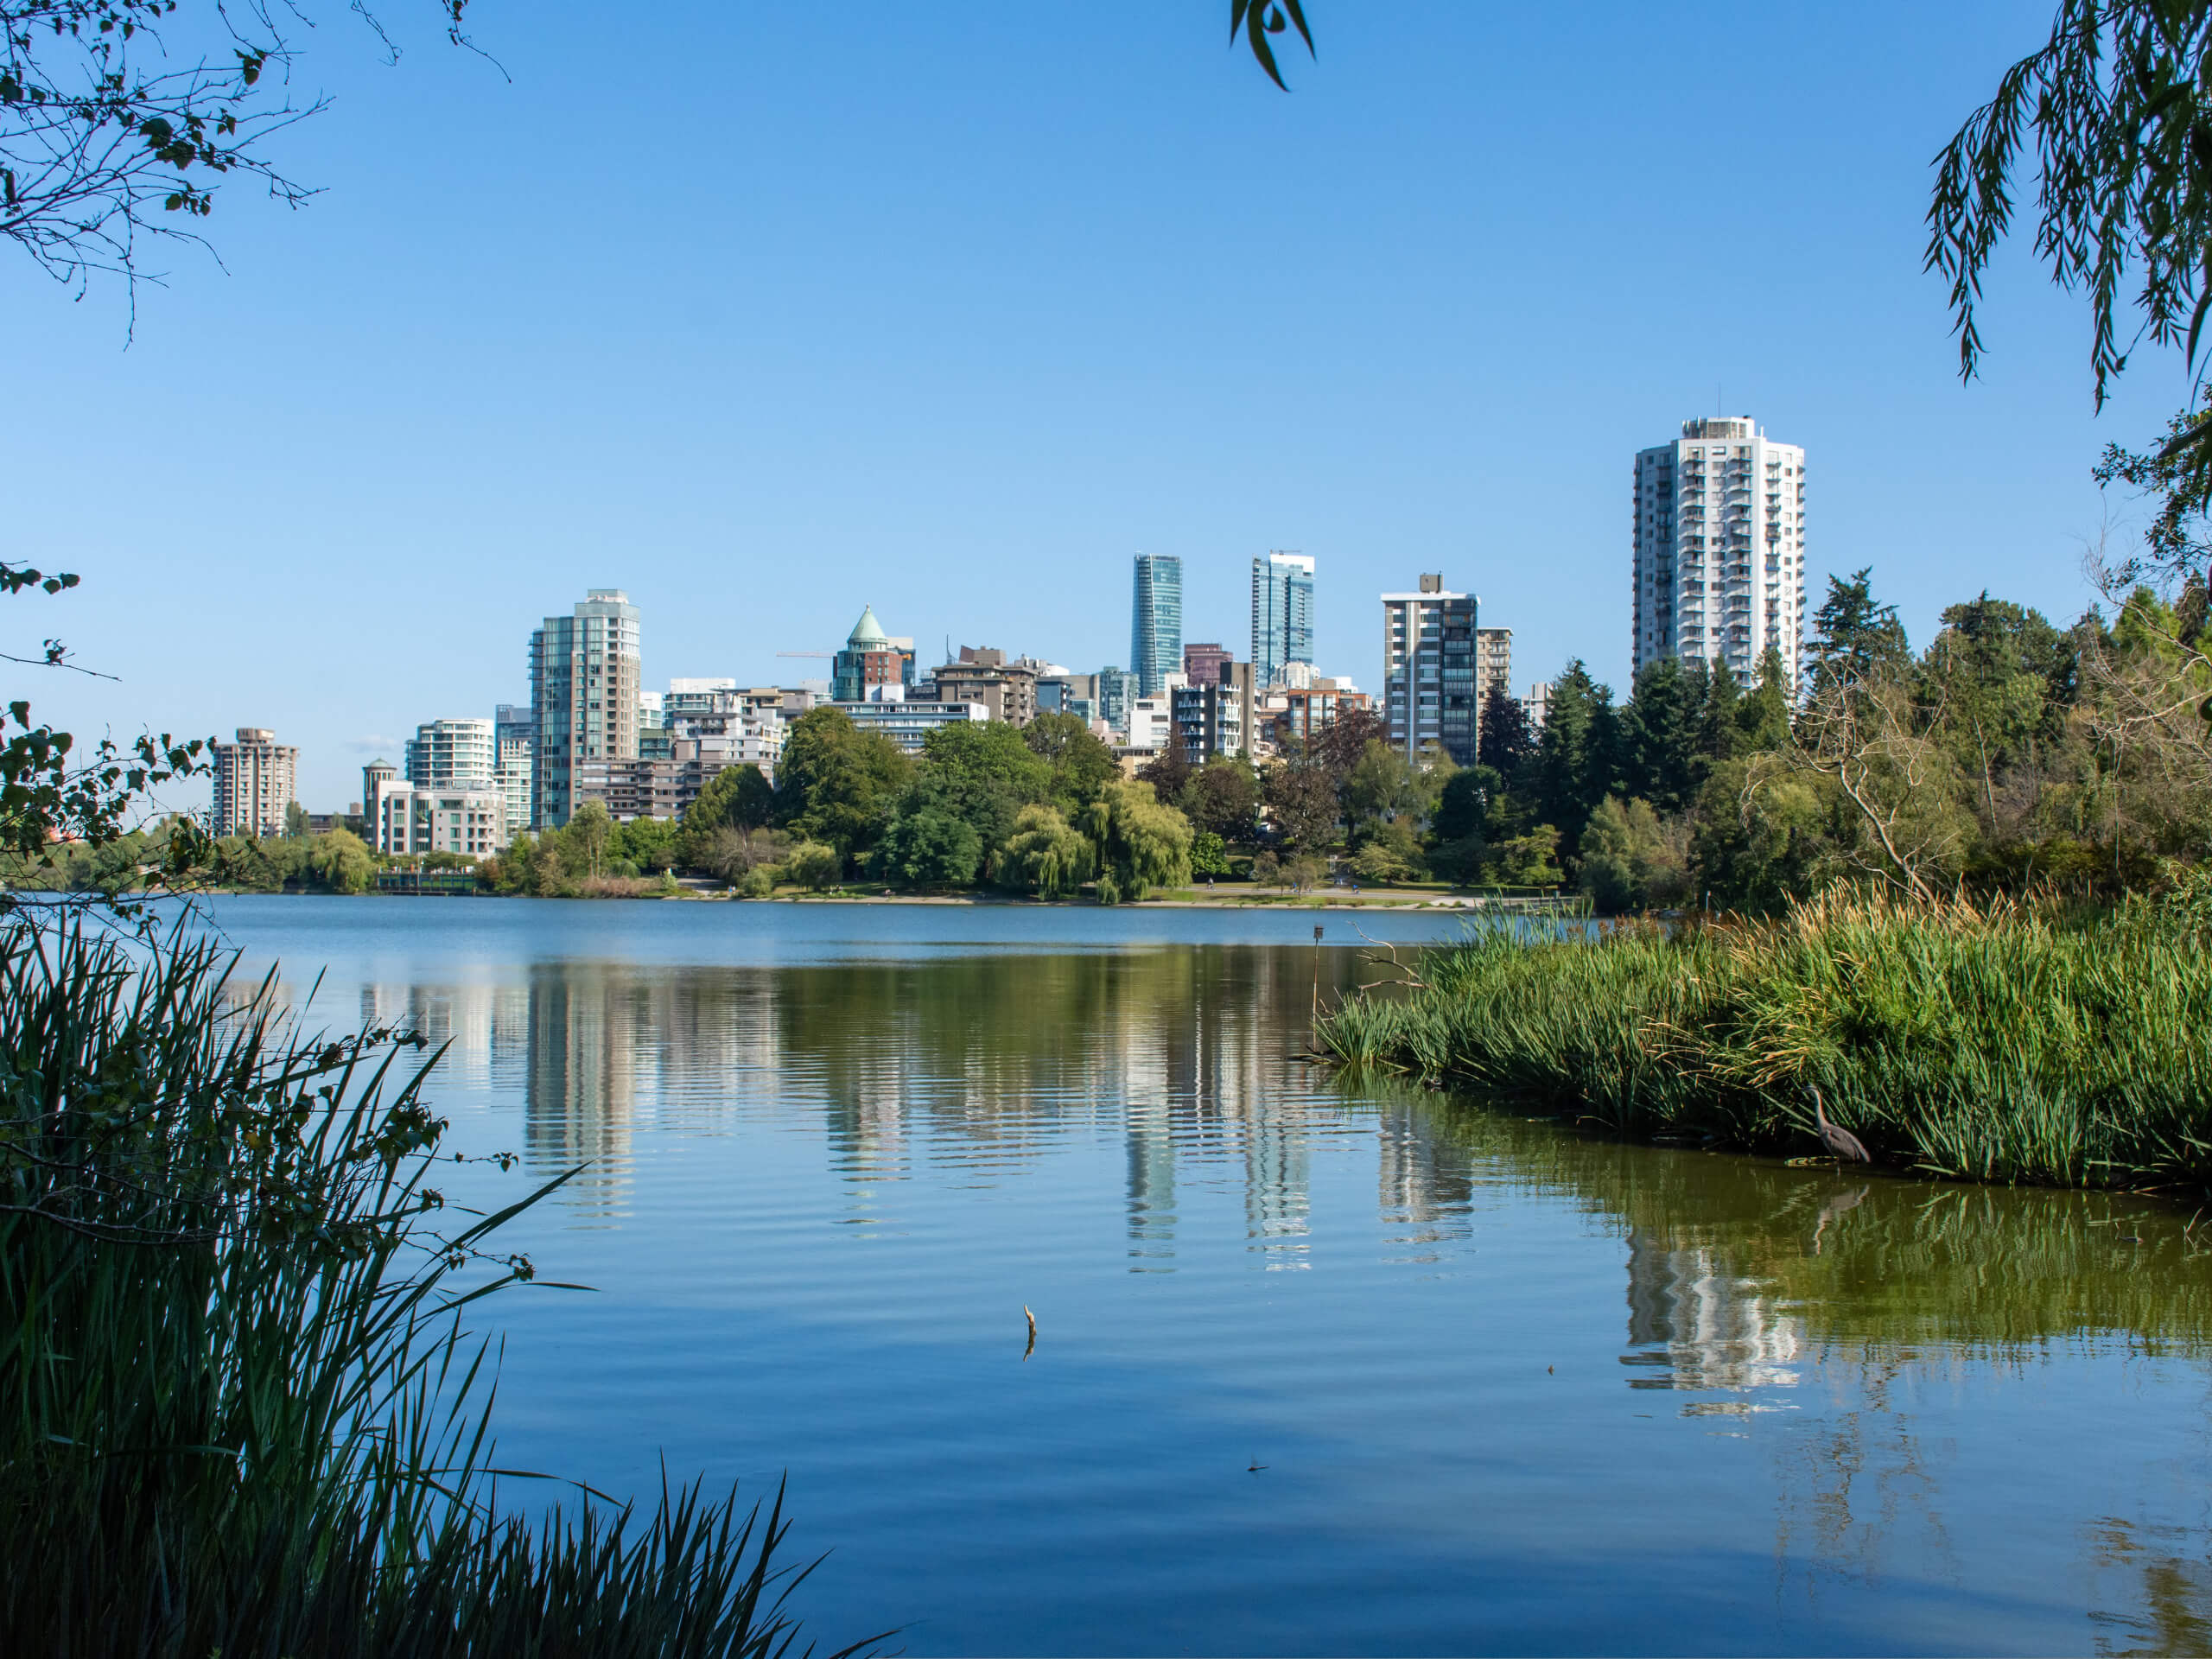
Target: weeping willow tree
(1141,844)
(1045,856)
(2115,109)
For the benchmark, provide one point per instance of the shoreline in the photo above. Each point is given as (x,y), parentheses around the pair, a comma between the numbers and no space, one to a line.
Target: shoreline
(1466,904)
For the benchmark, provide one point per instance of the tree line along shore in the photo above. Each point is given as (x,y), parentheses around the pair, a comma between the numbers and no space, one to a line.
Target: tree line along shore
(2010,754)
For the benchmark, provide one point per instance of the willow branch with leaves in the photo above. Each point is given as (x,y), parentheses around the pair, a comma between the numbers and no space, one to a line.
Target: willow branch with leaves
(2117,105)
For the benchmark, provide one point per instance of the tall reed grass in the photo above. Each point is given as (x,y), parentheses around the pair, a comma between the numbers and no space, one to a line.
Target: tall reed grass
(2008,1040)
(240,1413)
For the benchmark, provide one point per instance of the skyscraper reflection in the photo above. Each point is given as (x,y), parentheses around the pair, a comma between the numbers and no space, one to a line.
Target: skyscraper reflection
(1692,1315)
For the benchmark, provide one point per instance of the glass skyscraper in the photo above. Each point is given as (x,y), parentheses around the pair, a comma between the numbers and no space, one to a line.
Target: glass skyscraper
(1156,622)
(583,693)
(1282,617)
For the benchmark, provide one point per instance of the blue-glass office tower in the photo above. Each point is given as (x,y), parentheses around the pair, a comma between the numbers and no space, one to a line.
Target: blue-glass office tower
(1156,622)
(1282,617)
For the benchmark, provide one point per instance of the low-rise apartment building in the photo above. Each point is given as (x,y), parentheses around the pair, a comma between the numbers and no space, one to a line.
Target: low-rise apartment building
(907,722)
(1297,714)
(404,819)
(1007,688)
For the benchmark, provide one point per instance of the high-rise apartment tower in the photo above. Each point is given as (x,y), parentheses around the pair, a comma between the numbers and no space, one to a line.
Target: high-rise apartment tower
(1282,617)
(256,778)
(1428,670)
(514,729)
(584,682)
(1720,536)
(453,754)
(1156,622)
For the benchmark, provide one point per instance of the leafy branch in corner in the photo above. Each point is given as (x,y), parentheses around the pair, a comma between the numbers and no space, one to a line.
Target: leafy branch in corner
(119,119)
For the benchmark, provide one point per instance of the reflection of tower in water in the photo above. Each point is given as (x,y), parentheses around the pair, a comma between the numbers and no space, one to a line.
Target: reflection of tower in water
(1414,1189)
(1152,1185)
(466,1022)
(1705,1325)
(580,1089)
(1184,1048)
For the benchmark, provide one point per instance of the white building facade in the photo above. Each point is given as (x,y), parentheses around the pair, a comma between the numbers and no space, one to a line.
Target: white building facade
(1719,540)
(404,820)
(1428,670)
(453,753)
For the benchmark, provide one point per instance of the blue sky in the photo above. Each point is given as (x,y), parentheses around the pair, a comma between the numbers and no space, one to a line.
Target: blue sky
(762,311)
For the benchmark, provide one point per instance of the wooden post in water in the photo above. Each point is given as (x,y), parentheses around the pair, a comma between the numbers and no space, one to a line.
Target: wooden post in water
(1317,976)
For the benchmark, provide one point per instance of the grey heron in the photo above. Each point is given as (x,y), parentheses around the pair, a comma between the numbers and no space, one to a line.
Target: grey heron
(1840,1141)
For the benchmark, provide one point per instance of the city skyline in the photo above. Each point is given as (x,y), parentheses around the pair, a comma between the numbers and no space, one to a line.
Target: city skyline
(776,435)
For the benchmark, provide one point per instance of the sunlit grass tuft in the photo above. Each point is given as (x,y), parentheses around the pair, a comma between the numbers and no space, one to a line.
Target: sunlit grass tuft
(2003,1041)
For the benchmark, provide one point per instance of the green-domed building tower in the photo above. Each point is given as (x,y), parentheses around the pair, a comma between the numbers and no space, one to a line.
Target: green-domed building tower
(871,657)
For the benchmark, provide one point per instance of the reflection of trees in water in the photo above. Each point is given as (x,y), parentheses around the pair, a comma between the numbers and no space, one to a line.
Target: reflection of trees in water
(1869,1267)
(2165,1580)
(1744,1276)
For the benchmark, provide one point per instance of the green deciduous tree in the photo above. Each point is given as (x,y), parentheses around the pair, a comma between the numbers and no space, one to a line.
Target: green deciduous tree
(2118,105)
(1223,798)
(1632,859)
(1081,764)
(1141,844)
(1383,785)
(835,784)
(929,848)
(1045,857)
(1209,853)
(814,864)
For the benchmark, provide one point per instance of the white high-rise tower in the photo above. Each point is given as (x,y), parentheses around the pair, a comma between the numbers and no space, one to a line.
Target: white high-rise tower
(1719,517)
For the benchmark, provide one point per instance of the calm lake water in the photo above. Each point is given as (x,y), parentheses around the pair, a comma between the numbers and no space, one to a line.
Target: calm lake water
(1510,1389)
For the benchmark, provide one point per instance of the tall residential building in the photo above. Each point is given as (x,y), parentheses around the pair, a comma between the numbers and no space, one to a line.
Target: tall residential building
(1493,666)
(871,656)
(256,778)
(1202,664)
(1214,716)
(583,689)
(1282,617)
(454,754)
(1156,622)
(1428,670)
(1118,689)
(1720,536)
(514,733)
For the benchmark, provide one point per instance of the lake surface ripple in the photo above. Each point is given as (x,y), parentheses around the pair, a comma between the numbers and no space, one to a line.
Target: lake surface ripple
(1507,1388)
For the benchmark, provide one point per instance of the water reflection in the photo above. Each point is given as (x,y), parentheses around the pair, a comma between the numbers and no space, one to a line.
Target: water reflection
(1843,1325)
(980,1067)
